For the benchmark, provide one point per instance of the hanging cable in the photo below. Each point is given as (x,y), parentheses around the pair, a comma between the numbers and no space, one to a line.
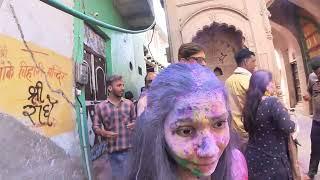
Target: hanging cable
(75,13)
(151,42)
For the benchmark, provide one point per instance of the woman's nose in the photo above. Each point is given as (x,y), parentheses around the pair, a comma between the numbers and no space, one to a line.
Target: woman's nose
(207,147)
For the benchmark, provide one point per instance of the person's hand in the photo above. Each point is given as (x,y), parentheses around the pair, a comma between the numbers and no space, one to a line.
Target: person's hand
(306,97)
(109,134)
(306,177)
(131,126)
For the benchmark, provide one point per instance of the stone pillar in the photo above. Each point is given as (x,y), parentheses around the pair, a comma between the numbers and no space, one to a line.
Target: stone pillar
(173,29)
(261,30)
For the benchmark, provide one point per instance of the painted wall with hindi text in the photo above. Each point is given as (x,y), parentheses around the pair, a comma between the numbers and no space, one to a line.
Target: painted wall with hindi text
(38,129)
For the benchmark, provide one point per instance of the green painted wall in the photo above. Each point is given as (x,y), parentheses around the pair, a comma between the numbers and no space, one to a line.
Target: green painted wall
(78,30)
(107,12)
(121,48)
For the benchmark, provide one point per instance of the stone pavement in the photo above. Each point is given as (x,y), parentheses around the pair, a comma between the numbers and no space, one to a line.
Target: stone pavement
(305,123)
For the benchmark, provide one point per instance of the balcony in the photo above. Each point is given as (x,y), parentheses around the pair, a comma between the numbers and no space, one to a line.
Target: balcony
(137,14)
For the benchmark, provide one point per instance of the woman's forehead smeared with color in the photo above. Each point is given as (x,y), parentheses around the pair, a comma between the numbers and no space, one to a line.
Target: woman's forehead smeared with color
(194,102)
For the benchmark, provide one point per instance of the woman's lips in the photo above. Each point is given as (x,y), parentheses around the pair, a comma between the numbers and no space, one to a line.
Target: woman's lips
(206,162)
(206,167)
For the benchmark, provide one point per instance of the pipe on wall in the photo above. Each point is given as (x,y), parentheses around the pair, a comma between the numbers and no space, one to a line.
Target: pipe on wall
(58,5)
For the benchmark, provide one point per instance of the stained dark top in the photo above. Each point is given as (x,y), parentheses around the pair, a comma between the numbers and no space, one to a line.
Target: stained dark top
(267,151)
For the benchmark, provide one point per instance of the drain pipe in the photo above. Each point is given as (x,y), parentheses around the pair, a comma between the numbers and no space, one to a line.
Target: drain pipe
(56,4)
(85,144)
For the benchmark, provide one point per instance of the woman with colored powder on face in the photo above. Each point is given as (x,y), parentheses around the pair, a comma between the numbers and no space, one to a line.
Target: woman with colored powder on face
(184,132)
(269,126)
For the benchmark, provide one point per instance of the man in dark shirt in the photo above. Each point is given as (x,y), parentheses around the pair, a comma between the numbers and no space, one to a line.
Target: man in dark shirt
(314,91)
(114,121)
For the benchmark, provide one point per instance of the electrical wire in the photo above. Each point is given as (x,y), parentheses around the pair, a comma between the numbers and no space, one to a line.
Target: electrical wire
(151,41)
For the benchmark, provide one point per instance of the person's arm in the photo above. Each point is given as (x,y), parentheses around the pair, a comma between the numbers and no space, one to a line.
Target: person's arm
(311,82)
(281,116)
(243,88)
(133,114)
(245,82)
(96,125)
(307,96)
(132,117)
(141,105)
(239,166)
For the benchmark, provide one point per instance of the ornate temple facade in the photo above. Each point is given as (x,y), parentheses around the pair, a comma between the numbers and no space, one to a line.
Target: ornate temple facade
(284,34)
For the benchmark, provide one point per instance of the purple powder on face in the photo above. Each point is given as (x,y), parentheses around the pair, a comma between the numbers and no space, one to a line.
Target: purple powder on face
(186,153)
(186,111)
(204,144)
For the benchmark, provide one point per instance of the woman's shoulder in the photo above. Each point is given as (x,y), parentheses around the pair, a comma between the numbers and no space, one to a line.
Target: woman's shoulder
(239,165)
(270,101)
(271,98)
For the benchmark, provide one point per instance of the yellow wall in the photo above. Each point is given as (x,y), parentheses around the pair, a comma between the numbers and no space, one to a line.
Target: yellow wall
(24,92)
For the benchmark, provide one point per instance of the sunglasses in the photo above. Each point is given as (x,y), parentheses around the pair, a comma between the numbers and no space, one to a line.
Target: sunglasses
(198,59)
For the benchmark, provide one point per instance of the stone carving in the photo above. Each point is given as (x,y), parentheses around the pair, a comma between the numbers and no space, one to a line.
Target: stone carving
(212,17)
(265,14)
(182,3)
(220,42)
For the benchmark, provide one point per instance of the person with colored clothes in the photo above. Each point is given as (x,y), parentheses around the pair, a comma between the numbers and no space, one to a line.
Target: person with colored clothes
(269,126)
(114,121)
(237,85)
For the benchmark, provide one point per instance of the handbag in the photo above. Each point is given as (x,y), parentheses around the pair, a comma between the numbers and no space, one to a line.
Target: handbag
(293,157)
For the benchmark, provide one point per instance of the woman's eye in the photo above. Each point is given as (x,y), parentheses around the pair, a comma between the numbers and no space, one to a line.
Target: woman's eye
(220,124)
(185,131)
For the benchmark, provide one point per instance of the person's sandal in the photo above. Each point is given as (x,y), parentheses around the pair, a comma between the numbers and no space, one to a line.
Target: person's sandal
(307,177)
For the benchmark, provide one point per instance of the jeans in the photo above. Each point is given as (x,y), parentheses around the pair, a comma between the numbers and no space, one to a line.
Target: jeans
(313,167)
(118,164)
(315,149)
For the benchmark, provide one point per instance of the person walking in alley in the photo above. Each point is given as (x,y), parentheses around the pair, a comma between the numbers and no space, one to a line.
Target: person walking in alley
(114,121)
(192,53)
(142,102)
(269,126)
(237,85)
(314,91)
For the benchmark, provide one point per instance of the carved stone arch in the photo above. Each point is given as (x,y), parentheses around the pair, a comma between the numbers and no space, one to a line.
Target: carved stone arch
(220,14)
(288,47)
(225,26)
(220,43)
(311,6)
(223,7)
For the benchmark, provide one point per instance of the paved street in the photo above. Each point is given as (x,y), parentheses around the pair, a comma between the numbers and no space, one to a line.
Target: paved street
(304,139)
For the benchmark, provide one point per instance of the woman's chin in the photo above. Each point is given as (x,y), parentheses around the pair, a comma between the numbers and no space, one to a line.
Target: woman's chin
(206,170)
